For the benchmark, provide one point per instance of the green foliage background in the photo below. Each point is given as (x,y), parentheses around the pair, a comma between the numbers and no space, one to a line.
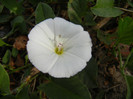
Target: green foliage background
(84,12)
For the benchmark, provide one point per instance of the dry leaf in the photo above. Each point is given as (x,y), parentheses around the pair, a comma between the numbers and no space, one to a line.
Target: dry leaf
(11,63)
(20,42)
(19,61)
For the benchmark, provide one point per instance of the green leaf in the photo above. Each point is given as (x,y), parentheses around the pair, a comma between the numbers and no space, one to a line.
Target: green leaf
(4,18)
(1,8)
(23,28)
(2,43)
(130,63)
(4,81)
(23,94)
(129,87)
(88,19)
(79,12)
(89,74)
(34,96)
(106,38)
(71,88)
(18,23)
(26,59)
(130,3)
(100,95)
(13,5)
(14,52)
(125,30)
(43,11)
(73,15)
(6,57)
(8,97)
(34,2)
(105,8)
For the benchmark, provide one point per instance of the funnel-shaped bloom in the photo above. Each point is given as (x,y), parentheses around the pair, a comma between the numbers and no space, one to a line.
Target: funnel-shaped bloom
(59,47)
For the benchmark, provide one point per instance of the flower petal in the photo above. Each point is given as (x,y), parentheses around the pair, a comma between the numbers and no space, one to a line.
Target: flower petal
(44,61)
(35,49)
(83,52)
(47,26)
(79,40)
(67,65)
(65,28)
(37,34)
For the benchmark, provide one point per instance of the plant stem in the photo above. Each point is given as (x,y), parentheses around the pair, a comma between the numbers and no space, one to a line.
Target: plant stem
(120,57)
(122,66)
(127,59)
(14,70)
(33,14)
(18,89)
(121,63)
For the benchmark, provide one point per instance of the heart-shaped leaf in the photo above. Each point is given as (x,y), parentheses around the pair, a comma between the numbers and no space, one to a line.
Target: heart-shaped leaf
(4,81)
(129,87)
(71,88)
(79,12)
(105,8)
(43,11)
(125,30)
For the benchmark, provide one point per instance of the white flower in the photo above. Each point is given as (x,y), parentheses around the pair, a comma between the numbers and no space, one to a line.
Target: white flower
(59,47)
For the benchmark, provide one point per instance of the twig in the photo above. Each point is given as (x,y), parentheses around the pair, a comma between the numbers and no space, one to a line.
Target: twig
(34,71)
(112,87)
(125,9)
(27,80)
(101,23)
(95,17)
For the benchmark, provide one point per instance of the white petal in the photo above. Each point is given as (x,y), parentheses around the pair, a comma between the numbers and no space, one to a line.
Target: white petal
(41,55)
(65,28)
(67,65)
(38,35)
(79,40)
(83,52)
(42,60)
(47,26)
(35,49)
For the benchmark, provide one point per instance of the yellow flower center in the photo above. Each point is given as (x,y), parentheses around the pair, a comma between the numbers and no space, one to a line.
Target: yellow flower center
(59,49)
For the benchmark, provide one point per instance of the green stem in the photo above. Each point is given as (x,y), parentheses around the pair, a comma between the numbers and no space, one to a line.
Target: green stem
(21,87)
(10,33)
(30,17)
(18,89)
(34,77)
(128,59)
(14,70)
(120,57)
(121,63)
(122,66)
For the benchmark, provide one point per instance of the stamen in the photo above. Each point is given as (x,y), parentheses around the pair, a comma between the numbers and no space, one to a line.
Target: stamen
(58,45)
(59,49)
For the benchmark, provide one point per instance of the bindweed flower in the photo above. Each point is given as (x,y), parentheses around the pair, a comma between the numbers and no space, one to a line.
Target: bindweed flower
(59,47)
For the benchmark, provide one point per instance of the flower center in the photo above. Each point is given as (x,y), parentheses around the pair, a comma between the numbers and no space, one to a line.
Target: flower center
(59,49)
